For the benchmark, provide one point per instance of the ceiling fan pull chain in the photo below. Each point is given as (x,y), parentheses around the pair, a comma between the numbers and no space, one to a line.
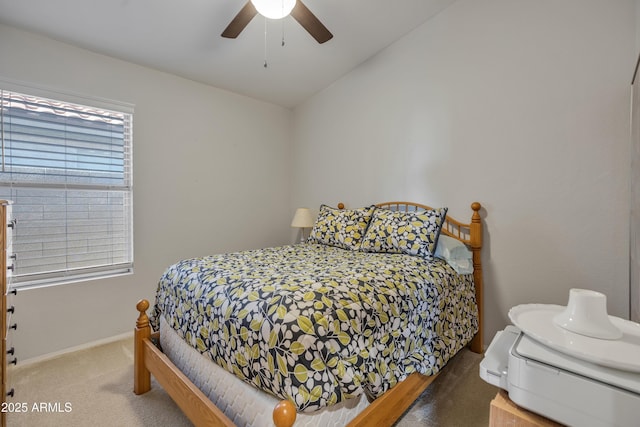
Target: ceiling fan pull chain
(265,43)
(282,20)
(284,14)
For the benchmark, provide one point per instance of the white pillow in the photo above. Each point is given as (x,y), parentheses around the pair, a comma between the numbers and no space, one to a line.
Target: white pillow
(455,253)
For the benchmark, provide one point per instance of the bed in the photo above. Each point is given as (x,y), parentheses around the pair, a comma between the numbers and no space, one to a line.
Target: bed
(349,327)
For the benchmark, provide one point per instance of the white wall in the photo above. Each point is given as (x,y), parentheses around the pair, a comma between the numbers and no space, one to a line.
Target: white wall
(520,105)
(211,174)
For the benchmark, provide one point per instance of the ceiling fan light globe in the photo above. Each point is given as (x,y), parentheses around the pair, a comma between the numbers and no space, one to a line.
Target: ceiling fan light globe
(274,9)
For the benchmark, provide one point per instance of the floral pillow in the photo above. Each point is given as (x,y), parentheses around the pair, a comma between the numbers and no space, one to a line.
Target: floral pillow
(343,228)
(411,233)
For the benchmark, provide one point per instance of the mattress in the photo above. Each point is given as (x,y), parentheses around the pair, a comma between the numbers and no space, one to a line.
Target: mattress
(316,324)
(244,404)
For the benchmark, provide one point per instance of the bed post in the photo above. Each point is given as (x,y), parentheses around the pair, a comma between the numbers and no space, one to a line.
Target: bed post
(475,235)
(284,414)
(142,376)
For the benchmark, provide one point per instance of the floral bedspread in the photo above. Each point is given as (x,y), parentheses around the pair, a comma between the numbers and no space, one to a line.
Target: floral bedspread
(319,324)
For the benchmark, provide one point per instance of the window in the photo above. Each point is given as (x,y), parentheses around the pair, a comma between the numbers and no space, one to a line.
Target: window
(67,169)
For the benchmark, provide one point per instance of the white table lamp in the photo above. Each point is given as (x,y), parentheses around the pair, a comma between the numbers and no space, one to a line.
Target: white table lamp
(302,219)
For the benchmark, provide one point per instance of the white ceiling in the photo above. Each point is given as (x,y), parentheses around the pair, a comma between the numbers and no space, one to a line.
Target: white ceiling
(182,37)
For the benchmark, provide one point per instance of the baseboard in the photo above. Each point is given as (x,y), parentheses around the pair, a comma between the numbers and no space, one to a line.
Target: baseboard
(86,346)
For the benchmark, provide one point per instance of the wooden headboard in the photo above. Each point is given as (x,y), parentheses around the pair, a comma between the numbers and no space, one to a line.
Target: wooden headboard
(468,233)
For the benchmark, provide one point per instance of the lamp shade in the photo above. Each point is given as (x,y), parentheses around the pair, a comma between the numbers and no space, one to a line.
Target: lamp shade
(274,9)
(302,218)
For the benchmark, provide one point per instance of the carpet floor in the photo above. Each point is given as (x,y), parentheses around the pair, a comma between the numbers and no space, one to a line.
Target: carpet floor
(94,387)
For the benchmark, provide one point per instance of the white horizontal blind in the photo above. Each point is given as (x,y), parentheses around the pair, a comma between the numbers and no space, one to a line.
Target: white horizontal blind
(67,169)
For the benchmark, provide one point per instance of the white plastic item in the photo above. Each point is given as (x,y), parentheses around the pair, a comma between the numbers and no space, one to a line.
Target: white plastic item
(536,321)
(566,396)
(560,387)
(586,314)
(493,368)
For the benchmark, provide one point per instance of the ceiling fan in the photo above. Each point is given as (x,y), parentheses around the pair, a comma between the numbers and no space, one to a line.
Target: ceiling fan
(295,8)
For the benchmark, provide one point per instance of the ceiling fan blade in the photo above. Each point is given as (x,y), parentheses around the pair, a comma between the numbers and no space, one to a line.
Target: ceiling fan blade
(240,21)
(309,22)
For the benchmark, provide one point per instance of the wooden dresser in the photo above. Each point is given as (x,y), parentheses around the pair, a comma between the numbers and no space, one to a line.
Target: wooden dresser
(7,325)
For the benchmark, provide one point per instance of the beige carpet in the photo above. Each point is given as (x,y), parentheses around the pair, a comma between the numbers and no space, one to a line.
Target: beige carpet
(94,388)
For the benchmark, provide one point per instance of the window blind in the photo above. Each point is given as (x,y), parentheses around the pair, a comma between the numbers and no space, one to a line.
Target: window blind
(67,169)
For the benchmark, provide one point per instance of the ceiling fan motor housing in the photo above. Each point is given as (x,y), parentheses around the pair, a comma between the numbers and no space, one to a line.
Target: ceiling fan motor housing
(274,9)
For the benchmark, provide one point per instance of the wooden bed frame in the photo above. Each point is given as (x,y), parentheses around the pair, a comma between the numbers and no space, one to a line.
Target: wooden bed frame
(384,411)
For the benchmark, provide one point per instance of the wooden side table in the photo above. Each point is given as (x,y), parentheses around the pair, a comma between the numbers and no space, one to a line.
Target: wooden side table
(503,412)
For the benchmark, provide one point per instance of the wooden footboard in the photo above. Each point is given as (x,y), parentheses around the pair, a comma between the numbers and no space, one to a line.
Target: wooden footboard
(149,359)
